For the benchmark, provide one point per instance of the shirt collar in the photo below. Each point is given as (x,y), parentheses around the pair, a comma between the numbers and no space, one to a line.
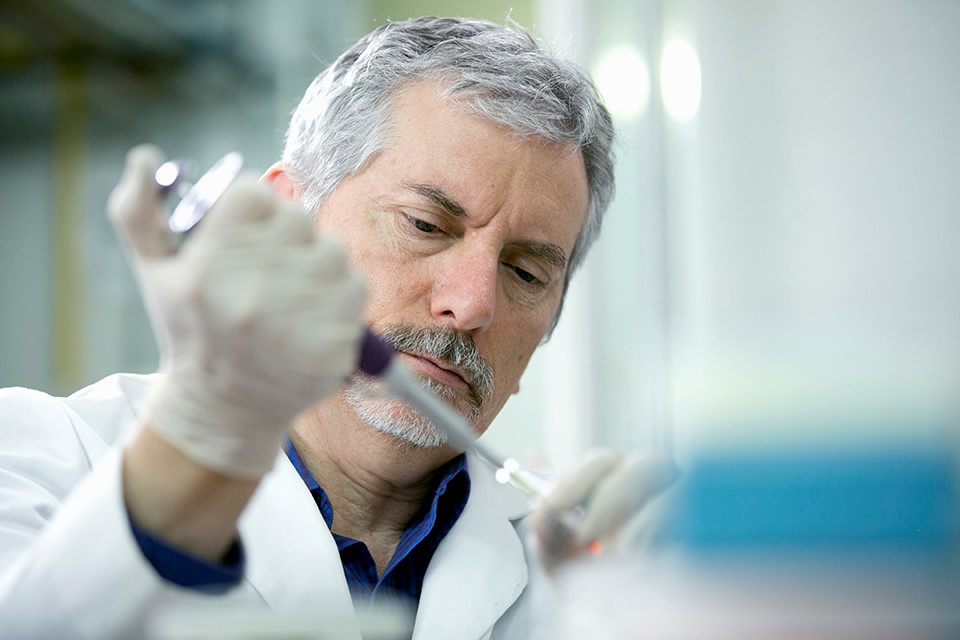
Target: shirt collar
(450,471)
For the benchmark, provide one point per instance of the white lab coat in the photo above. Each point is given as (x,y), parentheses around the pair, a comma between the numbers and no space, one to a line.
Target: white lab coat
(70,567)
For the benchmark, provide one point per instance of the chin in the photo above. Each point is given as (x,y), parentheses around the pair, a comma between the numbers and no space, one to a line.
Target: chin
(394,418)
(367,397)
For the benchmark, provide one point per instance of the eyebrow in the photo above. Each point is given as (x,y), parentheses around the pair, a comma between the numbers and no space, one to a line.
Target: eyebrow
(438,197)
(551,253)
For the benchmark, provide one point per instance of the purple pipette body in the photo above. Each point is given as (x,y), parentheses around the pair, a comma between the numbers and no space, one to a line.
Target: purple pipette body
(375,354)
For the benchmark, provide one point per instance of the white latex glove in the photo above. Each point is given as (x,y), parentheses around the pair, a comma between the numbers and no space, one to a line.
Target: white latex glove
(257,317)
(591,506)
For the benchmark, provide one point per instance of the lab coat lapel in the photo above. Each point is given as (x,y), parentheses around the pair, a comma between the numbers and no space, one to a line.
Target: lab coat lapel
(292,560)
(479,569)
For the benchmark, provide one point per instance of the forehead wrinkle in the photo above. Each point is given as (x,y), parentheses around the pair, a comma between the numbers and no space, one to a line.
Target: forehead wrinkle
(439,197)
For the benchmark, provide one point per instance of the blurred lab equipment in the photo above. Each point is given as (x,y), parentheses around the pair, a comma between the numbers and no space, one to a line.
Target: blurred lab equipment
(776,545)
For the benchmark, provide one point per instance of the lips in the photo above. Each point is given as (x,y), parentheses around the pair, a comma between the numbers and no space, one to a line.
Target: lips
(440,371)
(446,361)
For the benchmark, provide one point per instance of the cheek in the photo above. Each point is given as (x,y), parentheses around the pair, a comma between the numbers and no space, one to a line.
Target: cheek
(517,346)
(386,278)
(398,291)
(516,353)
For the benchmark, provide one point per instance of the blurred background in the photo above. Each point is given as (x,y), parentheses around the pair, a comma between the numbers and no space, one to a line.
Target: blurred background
(780,265)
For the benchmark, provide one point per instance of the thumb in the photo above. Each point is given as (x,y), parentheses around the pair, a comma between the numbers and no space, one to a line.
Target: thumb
(623,492)
(134,205)
(573,488)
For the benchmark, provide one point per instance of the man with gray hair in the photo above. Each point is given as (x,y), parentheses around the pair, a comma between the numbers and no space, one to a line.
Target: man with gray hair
(455,176)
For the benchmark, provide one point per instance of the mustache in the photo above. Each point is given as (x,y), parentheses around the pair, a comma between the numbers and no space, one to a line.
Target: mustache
(447,346)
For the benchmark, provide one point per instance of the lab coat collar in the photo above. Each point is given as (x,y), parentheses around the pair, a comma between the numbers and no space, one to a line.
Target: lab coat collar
(477,572)
(292,559)
(479,569)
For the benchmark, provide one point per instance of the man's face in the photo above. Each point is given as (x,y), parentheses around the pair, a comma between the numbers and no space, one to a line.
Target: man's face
(461,227)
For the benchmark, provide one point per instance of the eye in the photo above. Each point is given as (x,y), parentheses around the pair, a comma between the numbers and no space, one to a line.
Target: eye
(527,277)
(422,225)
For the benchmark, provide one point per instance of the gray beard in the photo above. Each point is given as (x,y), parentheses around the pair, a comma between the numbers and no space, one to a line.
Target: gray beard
(368,399)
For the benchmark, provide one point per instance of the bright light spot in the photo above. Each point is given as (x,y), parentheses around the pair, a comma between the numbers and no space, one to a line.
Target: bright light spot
(502,475)
(623,80)
(167,174)
(511,465)
(680,80)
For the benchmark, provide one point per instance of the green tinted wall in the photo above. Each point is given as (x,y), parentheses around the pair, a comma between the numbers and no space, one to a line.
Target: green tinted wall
(496,10)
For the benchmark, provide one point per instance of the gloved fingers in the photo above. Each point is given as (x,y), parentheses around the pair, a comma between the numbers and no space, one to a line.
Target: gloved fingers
(289,225)
(351,296)
(552,537)
(245,200)
(325,262)
(252,217)
(330,258)
(259,318)
(308,294)
(622,493)
(325,363)
(648,528)
(575,486)
(134,206)
(275,299)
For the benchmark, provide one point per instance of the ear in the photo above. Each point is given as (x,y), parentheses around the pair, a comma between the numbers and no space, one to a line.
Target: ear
(278,178)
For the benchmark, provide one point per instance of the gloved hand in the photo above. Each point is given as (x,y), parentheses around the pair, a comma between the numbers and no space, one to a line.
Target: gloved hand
(591,506)
(257,317)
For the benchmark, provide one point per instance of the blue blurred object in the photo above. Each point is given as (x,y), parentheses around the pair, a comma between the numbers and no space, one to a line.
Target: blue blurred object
(820,500)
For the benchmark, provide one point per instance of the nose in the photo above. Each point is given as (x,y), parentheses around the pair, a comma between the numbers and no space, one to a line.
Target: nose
(465,292)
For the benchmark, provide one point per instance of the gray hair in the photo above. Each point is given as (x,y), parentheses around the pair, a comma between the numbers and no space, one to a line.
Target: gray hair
(496,71)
